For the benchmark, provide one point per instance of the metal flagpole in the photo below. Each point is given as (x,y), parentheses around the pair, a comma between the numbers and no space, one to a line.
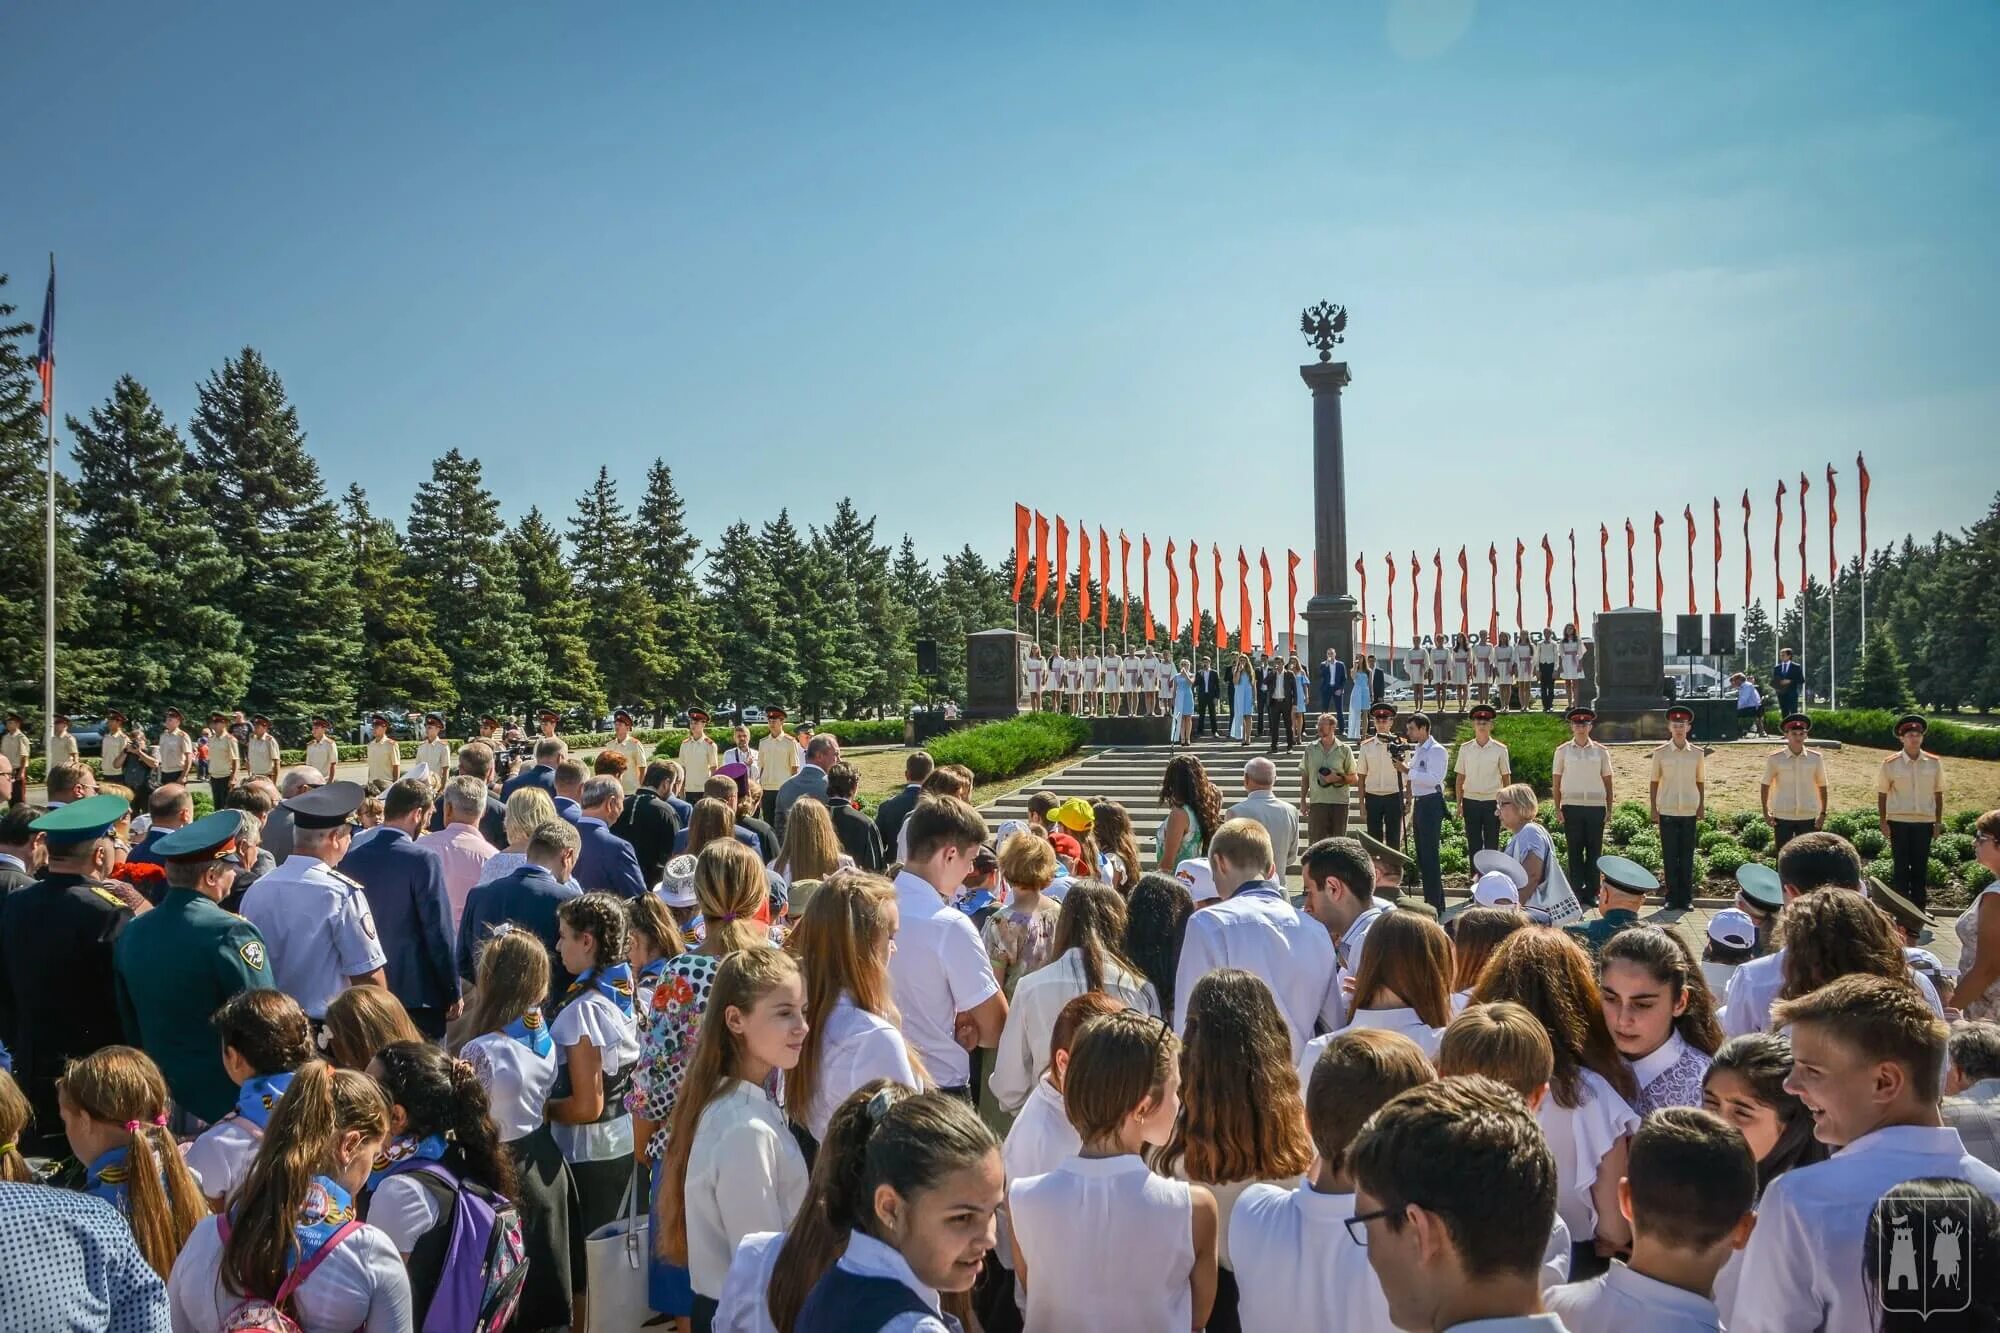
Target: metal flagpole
(49,567)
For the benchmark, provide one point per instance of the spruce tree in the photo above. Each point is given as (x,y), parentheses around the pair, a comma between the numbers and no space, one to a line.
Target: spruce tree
(833,660)
(882,638)
(23,517)
(912,593)
(757,651)
(623,621)
(158,632)
(799,606)
(1880,681)
(464,571)
(666,557)
(255,482)
(1758,642)
(401,666)
(557,614)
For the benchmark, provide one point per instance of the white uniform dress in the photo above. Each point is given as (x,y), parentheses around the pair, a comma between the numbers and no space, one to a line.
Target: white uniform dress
(1082,1230)
(615,1034)
(516,1079)
(1458,663)
(856,1048)
(1569,659)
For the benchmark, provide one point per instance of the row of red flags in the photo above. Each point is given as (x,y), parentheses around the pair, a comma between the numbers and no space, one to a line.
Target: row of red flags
(1031,528)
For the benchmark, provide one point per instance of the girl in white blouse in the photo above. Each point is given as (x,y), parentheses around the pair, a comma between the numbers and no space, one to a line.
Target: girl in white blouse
(1403,984)
(732,1166)
(265,1036)
(855,1036)
(513,1056)
(1660,1013)
(597,1040)
(298,1200)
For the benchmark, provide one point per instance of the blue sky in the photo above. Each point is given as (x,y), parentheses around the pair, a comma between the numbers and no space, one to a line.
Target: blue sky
(1601,258)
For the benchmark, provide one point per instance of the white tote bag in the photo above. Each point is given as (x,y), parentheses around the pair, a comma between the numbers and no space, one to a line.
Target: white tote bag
(615,1258)
(1556,897)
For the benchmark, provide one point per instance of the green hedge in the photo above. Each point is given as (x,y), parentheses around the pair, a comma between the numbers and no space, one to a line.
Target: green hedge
(996,750)
(1531,740)
(1876,728)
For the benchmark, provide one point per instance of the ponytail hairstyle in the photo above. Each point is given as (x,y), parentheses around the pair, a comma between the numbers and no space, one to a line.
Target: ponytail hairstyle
(743,979)
(1112,826)
(647,916)
(118,1085)
(267,1028)
(322,1105)
(1242,1115)
(15,1113)
(729,886)
(361,1020)
(439,1095)
(1093,920)
(1670,959)
(883,1134)
(602,917)
(842,944)
(1411,961)
(512,978)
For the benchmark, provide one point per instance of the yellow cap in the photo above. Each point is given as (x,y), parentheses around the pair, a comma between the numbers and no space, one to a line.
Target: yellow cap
(1074,814)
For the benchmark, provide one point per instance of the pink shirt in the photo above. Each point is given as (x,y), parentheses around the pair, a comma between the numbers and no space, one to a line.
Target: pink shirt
(464,853)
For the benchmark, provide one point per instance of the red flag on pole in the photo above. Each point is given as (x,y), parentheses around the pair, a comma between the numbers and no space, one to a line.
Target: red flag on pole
(1104,577)
(1548,583)
(1221,630)
(1520,616)
(1146,583)
(1125,585)
(1292,595)
(1687,512)
(1083,576)
(1631,579)
(1464,608)
(1390,617)
(1805,484)
(1173,601)
(1861,470)
(1361,568)
(1437,593)
(1062,562)
(1575,608)
(1659,578)
(1715,573)
(1041,558)
(1832,522)
(1492,592)
(1194,592)
(1020,550)
(1777,543)
(1746,546)
(1242,601)
(1416,597)
(1264,567)
(1603,565)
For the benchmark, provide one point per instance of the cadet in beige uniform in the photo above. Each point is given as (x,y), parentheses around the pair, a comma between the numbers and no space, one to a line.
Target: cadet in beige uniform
(778,758)
(637,753)
(321,752)
(1483,769)
(174,750)
(1381,778)
(225,758)
(1794,785)
(62,745)
(1581,776)
(14,743)
(699,755)
(111,755)
(1679,787)
(262,755)
(385,757)
(1910,798)
(435,750)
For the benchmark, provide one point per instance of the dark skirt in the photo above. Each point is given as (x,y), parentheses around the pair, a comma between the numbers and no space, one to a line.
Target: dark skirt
(601,1190)
(549,1232)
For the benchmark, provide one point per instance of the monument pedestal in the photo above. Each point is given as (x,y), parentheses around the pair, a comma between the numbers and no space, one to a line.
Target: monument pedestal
(1330,615)
(1630,676)
(993,673)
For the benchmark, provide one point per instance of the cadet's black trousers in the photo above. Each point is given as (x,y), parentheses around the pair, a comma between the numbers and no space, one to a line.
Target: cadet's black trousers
(1787,829)
(1547,671)
(1482,826)
(1910,847)
(1385,816)
(1583,830)
(1677,837)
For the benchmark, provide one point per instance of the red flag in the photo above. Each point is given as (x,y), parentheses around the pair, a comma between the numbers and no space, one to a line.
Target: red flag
(1631,580)
(1173,600)
(1264,565)
(1687,512)
(1464,610)
(1805,485)
(1361,568)
(1548,583)
(1242,601)
(1125,587)
(1746,547)
(1832,522)
(1146,583)
(1020,550)
(1062,562)
(1437,593)
(1292,595)
(1221,630)
(1659,579)
(1715,573)
(1861,469)
(1390,618)
(1520,617)
(1104,578)
(1603,566)
(1492,592)
(1777,543)
(1082,576)
(1194,586)
(1416,598)
(1041,558)
(1575,609)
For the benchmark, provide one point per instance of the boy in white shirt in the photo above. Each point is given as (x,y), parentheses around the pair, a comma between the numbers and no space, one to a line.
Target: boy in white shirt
(1688,1191)
(1295,1265)
(1867,1053)
(939,974)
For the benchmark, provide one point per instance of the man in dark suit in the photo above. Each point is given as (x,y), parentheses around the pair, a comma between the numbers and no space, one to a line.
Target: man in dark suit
(822,753)
(1266,676)
(526,898)
(404,884)
(649,822)
(889,815)
(21,848)
(475,760)
(549,751)
(859,837)
(1790,678)
(605,862)
(1333,686)
(1207,690)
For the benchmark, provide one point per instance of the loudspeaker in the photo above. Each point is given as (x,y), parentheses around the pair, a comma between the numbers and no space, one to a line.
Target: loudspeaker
(1687,636)
(927,659)
(1722,633)
(1670,688)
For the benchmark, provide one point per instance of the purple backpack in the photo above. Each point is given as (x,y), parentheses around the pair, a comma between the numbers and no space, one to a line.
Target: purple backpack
(477,1264)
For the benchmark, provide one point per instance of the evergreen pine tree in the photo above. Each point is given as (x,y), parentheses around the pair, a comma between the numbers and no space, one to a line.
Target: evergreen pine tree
(260,489)
(666,556)
(401,665)
(623,621)
(912,593)
(1758,642)
(557,614)
(157,631)
(464,571)
(881,638)
(23,517)
(801,607)
(1880,681)
(757,653)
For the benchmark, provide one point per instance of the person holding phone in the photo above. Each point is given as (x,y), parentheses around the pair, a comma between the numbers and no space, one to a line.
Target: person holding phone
(1325,774)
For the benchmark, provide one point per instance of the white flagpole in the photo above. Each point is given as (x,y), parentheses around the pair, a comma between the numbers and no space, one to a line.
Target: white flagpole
(49,571)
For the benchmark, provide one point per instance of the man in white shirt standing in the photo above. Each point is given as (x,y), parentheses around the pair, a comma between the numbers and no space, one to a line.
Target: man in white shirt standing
(939,974)
(778,758)
(1545,669)
(1279,817)
(175,749)
(1866,1061)
(1256,928)
(1581,777)
(1679,794)
(1428,763)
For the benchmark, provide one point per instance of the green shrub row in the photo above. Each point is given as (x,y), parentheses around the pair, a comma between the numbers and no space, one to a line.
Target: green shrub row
(1531,740)
(995,750)
(1876,728)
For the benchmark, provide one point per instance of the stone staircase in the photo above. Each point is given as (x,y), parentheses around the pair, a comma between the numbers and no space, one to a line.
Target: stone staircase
(1131,776)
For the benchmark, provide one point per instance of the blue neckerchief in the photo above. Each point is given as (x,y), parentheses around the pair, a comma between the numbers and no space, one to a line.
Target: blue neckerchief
(614,983)
(403,1148)
(532,1032)
(107,1178)
(327,1208)
(650,974)
(258,1095)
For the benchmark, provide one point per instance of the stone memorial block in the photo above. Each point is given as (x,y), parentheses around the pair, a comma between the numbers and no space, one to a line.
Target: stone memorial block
(1628,660)
(993,673)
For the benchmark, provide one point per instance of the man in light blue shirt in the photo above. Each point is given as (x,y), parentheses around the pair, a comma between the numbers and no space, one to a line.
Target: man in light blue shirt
(316,921)
(1428,763)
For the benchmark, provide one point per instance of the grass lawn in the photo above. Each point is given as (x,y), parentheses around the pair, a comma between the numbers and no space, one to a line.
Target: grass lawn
(1734,772)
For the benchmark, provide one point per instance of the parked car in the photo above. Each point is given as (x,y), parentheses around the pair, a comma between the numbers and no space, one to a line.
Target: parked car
(404,725)
(89,733)
(752,715)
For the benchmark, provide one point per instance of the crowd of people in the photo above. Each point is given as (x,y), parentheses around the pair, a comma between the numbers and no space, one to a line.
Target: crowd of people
(902,1070)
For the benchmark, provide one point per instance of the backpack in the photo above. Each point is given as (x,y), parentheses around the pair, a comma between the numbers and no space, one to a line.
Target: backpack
(255,1314)
(468,1275)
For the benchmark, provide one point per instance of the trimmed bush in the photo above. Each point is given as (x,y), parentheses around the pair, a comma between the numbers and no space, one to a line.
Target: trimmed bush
(1976,877)
(1725,857)
(1452,859)
(1876,728)
(1845,825)
(1531,740)
(1624,827)
(998,750)
(1952,848)
(1936,873)
(1743,819)
(1961,821)
(1756,835)
(1882,868)
(1637,808)
(1870,843)
(1710,840)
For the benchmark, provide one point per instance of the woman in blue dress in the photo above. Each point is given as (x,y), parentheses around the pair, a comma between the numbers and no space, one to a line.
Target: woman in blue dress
(1243,701)
(1360,692)
(1184,706)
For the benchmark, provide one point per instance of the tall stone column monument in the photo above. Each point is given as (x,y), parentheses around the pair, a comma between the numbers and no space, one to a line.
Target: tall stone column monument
(1330,614)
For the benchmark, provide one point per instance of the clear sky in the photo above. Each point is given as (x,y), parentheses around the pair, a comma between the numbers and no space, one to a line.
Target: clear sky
(1601,258)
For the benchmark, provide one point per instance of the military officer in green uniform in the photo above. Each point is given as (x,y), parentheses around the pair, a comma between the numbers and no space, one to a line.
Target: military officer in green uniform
(1626,884)
(179,962)
(1761,896)
(56,938)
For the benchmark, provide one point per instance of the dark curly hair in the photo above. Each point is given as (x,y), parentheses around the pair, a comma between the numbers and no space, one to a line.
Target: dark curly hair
(1156,917)
(602,917)
(1548,974)
(440,1095)
(1186,783)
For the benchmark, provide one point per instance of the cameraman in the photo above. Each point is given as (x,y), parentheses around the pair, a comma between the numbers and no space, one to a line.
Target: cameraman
(1383,763)
(1325,774)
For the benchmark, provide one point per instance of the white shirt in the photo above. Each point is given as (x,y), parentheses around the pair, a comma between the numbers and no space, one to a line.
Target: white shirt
(1579,1137)
(745,1174)
(741,1308)
(517,1082)
(1754,987)
(1623,1300)
(360,1285)
(855,1048)
(1296,1266)
(221,1157)
(938,971)
(316,924)
(1806,1253)
(1428,763)
(615,1034)
(1040,1140)
(1404,1021)
(404,1210)
(1258,931)
(1107,1246)
(1347,950)
(868,1257)
(1523,1323)
(1023,1055)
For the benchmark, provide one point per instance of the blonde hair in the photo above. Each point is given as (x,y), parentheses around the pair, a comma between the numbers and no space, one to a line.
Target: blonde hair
(841,943)
(1028,862)
(1244,843)
(361,1020)
(730,886)
(1503,1041)
(810,850)
(15,1113)
(527,809)
(1521,796)
(118,1085)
